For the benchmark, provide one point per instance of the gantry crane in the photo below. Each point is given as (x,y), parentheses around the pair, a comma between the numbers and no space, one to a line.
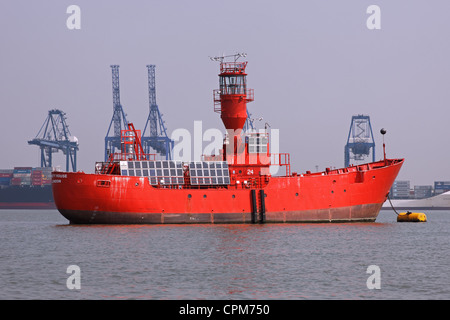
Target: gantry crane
(360,140)
(112,143)
(53,136)
(157,138)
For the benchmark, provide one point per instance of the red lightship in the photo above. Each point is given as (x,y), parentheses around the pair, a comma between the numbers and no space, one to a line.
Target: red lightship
(235,186)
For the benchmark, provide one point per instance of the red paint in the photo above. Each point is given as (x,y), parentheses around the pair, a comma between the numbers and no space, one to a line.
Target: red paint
(355,193)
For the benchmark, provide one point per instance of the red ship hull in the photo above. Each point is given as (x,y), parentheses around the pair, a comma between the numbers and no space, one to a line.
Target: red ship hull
(343,195)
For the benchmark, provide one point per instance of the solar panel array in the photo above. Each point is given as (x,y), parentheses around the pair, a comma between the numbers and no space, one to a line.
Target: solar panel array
(170,172)
(160,171)
(209,173)
(257,144)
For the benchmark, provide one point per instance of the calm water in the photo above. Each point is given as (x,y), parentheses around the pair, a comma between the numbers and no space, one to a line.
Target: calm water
(295,261)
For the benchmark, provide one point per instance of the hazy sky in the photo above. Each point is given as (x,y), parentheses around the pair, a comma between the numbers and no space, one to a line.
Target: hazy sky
(313,65)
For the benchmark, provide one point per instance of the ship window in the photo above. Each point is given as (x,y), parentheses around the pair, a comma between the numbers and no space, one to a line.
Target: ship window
(138,173)
(125,172)
(132,173)
(130,165)
(180,180)
(158,164)
(137,165)
(151,164)
(145,165)
(165,164)
(152,173)
(234,84)
(145,173)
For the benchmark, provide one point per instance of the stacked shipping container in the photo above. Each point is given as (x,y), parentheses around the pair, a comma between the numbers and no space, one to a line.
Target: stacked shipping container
(5,177)
(25,176)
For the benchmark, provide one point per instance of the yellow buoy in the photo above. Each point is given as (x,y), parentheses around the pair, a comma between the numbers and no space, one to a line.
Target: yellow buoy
(411,217)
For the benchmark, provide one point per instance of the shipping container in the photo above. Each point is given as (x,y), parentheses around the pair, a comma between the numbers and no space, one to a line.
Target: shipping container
(16,181)
(22,170)
(22,175)
(5,181)
(442,185)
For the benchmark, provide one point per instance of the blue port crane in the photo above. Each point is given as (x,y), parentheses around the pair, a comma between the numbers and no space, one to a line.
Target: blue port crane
(157,138)
(360,142)
(248,126)
(53,136)
(119,121)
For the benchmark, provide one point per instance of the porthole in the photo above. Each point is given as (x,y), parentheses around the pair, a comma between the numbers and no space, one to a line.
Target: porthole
(189,196)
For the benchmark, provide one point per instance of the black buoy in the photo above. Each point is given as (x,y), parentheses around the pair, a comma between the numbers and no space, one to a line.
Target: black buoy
(383,132)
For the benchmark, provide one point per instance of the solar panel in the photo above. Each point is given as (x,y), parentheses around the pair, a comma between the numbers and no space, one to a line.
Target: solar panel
(170,172)
(165,172)
(258,143)
(209,173)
